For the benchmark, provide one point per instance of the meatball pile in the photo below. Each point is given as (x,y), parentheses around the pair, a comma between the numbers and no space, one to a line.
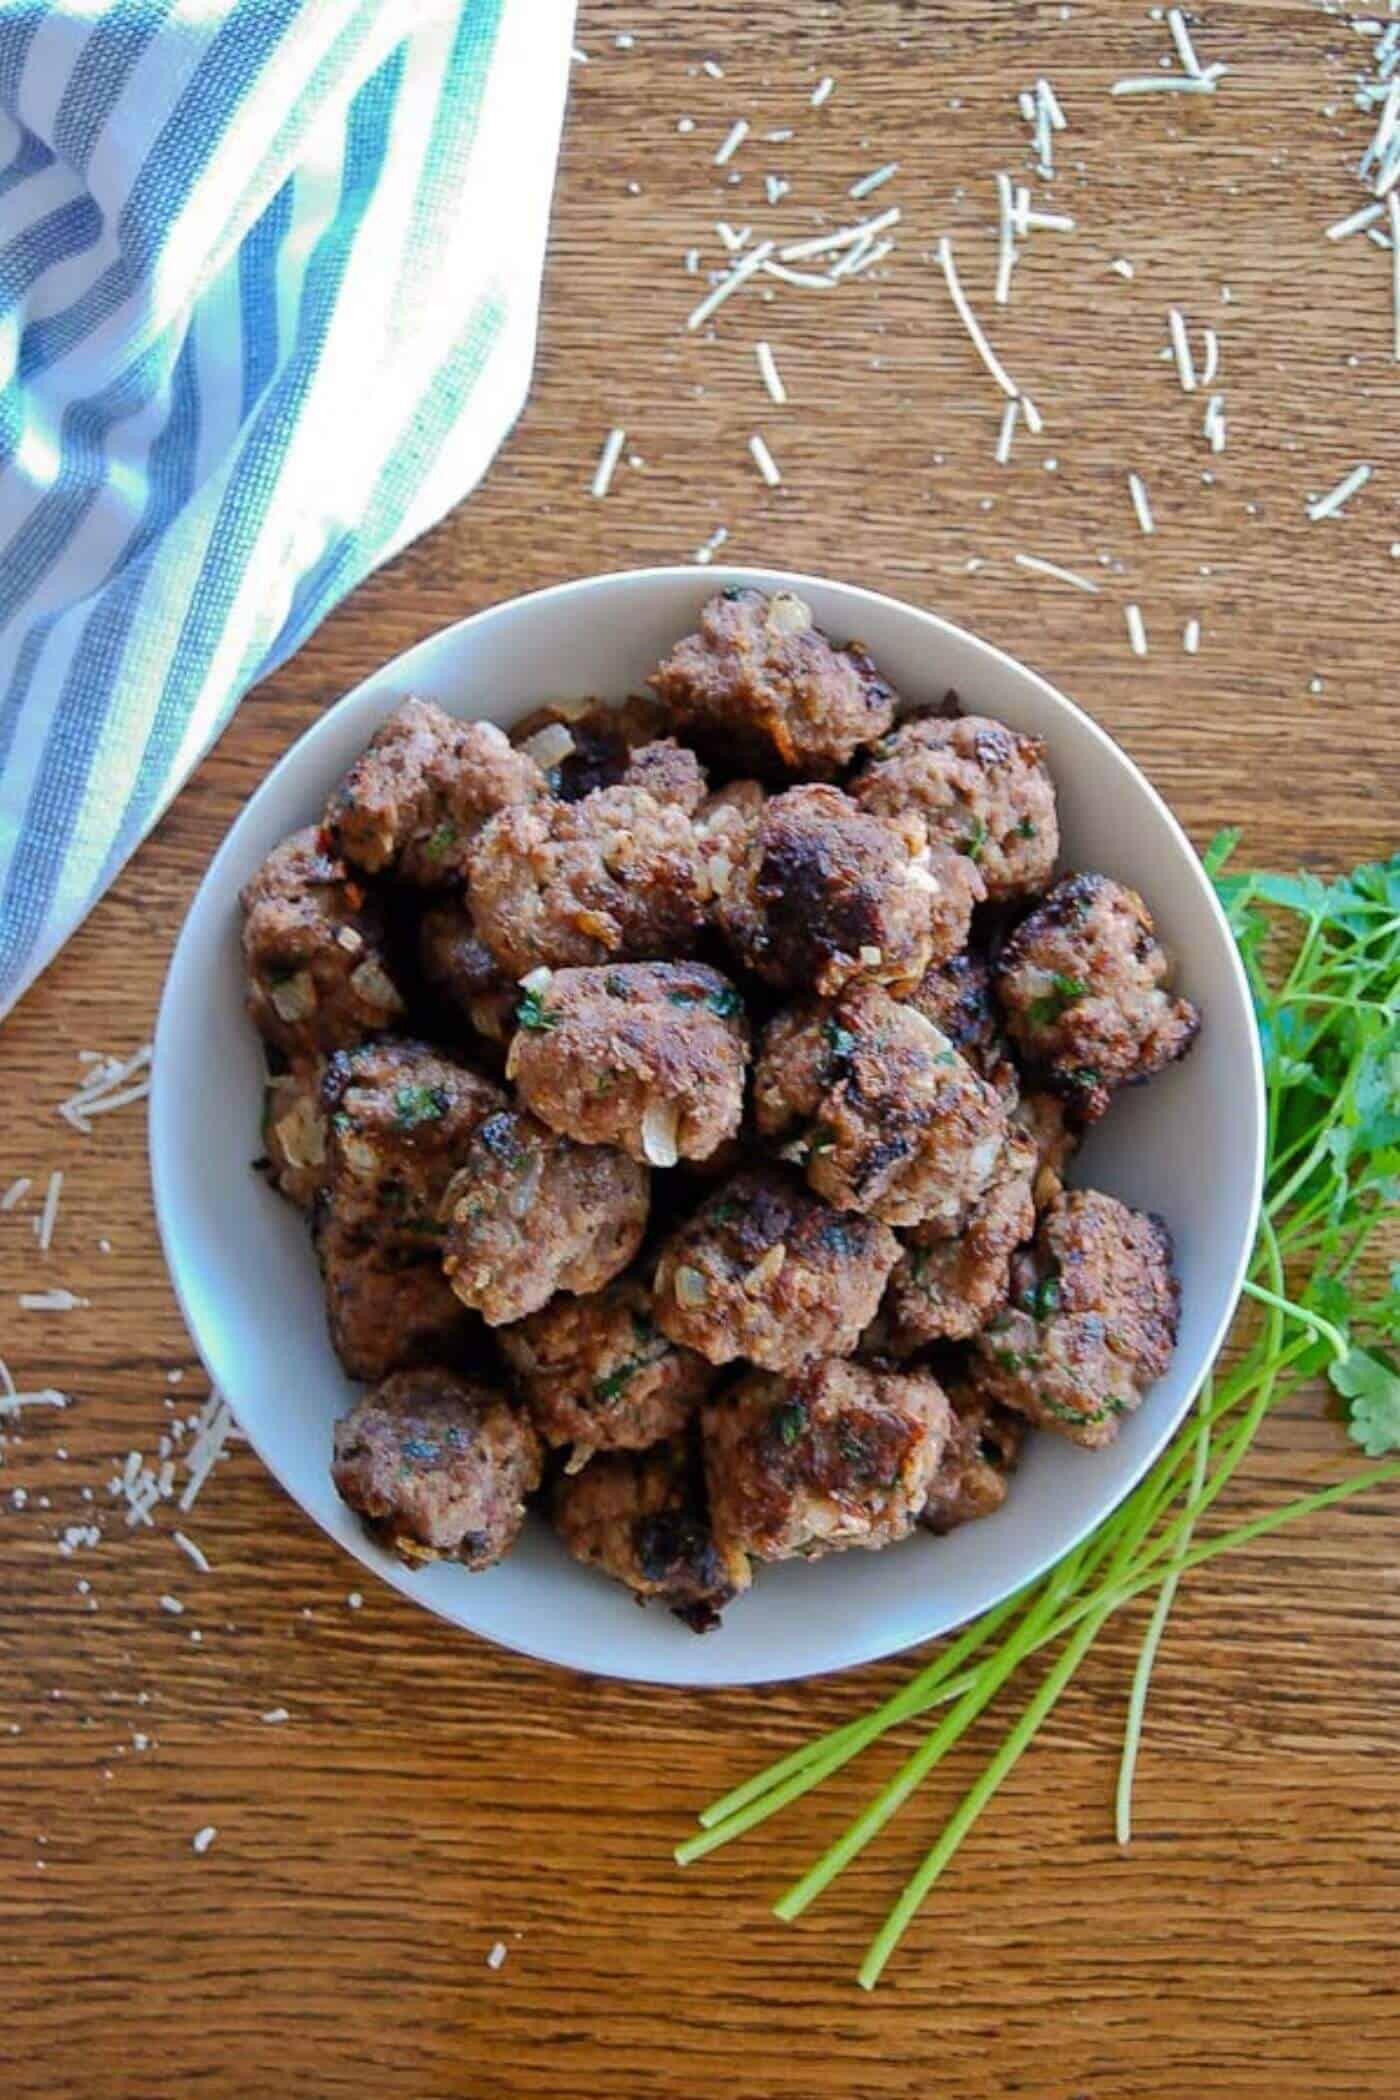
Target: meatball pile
(681,1096)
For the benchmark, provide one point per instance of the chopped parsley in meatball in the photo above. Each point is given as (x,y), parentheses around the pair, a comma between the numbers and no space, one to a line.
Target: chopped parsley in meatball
(948,1284)
(880,1110)
(761,686)
(836,1455)
(615,877)
(598,1373)
(641,1517)
(530,1213)
(649,1056)
(419,793)
(982,789)
(400,1117)
(389,1307)
(438,1466)
(313,948)
(982,1452)
(1091,1323)
(766,1271)
(1083,985)
(825,895)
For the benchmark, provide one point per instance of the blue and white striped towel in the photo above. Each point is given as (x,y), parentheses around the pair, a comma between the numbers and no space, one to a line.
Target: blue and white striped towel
(269,274)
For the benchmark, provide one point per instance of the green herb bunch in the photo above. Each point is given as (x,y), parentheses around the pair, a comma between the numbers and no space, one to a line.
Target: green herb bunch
(1323,961)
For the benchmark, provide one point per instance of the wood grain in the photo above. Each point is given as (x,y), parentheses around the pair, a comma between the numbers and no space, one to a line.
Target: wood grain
(429,1795)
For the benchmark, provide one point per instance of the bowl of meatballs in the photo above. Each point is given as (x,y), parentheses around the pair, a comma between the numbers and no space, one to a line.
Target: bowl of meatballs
(706,1104)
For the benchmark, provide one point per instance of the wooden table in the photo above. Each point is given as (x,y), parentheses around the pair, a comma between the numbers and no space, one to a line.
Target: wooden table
(427,1795)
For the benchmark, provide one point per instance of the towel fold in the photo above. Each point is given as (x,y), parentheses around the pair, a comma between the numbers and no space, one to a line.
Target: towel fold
(269,278)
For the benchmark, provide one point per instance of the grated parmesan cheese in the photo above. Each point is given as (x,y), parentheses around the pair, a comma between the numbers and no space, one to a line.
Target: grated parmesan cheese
(1141,505)
(496,1957)
(876,179)
(765,462)
(1050,568)
(1191,637)
(745,268)
(607,461)
(1181,350)
(822,91)
(970,322)
(16,1192)
(769,373)
(192,1553)
(1137,633)
(1327,506)
(1007,431)
(48,1216)
(203,1839)
(51,1301)
(732,141)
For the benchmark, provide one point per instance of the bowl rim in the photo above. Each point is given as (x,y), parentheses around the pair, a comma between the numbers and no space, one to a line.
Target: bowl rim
(712,579)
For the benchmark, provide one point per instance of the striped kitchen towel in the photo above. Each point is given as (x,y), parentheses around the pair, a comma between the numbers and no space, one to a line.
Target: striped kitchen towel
(269,275)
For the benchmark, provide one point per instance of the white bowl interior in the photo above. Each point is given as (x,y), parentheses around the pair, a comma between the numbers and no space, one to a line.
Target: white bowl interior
(1189,1146)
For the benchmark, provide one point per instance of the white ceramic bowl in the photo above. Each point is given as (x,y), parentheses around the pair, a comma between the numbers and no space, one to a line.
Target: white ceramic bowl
(1190,1145)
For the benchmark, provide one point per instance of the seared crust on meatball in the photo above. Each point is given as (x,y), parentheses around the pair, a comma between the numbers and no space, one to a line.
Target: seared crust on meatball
(649,1056)
(530,1213)
(458,964)
(1092,1321)
(400,1116)
(598,1373)
(1082,985)
(601,741)
(983,1450)
(294,1132)
(439,1467)
(669,772)
(766,1271)
(388,1308)
(958,997)
(763,687)
(838,1455)
(891,1121)
(826,896)
(615,876)
(641,1517)
(313,947)
(420,791)
(982,789)
(947,1286)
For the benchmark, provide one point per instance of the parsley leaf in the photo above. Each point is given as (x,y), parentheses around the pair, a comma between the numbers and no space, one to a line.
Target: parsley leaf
(1369,1380)
(1062,993)
(420,1104)
(533,1013)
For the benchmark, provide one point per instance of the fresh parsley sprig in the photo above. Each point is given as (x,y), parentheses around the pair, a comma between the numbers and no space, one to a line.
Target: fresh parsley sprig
(1323,961)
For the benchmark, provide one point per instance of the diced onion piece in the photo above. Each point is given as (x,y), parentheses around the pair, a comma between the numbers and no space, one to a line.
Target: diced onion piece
(691,1287)
(788,614)
(549,746)
(296,999)
(371,983)
(359,1155)
(302,1134)
(537,980)
(766,1269)
(660,1124)
(527,1186)
(872,957)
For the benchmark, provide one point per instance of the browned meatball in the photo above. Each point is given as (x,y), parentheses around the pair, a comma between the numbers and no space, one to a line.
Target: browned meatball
(764,688)
(294,1132)
(531,1213)
(649,1056)
(1092,1321)
(598,1373)
(825,896)
(419,793)
(958,997)
(583,745)
(313,946)
(389,1309)
(640,1516)
(981,788)
(439,1467)
(765,1270)
(400,1115)
(982,1452)
(458,964)
(614,876)
(889,1119)
(838,1455)
(1082,985)
(947,1286)
(1046,1122)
